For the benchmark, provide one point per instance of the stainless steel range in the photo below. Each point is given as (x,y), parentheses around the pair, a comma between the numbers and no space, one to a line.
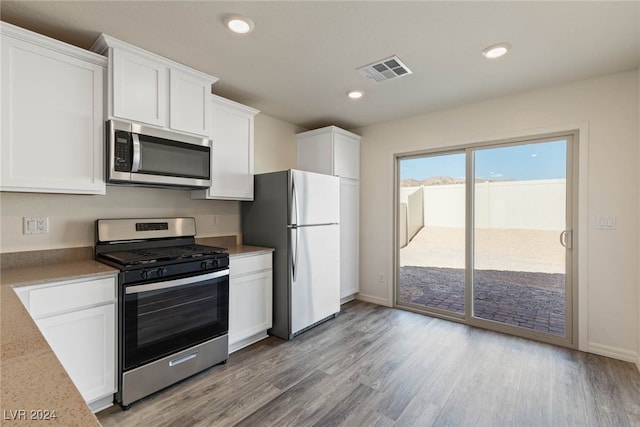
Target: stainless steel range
(173,302)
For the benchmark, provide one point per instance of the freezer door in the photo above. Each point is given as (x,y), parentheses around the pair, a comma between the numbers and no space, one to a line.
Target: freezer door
(314,274)
(314,198)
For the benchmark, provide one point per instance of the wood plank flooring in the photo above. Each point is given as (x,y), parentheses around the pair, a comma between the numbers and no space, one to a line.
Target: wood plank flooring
(376,366)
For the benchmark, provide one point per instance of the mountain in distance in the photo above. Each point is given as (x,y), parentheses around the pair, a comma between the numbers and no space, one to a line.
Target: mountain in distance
(441,180)
(432,180)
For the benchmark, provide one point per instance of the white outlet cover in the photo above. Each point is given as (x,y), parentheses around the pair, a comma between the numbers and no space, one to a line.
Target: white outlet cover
(35,225)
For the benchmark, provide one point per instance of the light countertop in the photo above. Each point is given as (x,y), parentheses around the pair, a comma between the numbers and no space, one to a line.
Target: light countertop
(32,378)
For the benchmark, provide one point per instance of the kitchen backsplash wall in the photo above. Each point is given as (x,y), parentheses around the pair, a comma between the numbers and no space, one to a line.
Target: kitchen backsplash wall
(72,217)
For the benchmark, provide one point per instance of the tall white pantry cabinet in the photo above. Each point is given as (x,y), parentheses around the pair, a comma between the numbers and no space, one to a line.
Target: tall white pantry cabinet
(334,151)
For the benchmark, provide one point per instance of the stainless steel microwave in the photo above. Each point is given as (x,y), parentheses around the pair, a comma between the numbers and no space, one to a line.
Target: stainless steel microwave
(146,156)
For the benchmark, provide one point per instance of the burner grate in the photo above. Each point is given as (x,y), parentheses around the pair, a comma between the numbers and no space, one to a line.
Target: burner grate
(153,255)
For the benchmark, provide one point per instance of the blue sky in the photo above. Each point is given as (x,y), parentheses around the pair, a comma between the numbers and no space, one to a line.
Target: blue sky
(522,162)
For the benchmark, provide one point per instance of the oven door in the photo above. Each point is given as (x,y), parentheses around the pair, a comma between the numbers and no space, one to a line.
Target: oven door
(162,318)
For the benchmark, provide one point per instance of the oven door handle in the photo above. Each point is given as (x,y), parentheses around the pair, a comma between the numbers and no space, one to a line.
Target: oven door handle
(175,283)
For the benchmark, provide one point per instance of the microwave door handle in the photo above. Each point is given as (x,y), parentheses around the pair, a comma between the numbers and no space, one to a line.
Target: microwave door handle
(135,164)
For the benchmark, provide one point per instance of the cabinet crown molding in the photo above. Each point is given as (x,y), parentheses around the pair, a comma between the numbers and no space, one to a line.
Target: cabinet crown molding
(329,129)
(104,42)
(234,105)
(28,36)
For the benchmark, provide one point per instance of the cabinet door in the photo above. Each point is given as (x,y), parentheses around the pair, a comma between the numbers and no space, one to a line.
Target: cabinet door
(232,153)
(84,342)
(139,88)
(250,305)
(190,107)
(346,155)
(52,121)
(349,258)
(315,153)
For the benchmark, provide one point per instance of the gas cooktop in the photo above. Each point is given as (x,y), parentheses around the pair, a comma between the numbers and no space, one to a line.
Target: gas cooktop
(157,254)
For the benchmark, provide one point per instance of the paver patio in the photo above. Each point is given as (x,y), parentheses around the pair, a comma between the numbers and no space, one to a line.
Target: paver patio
(532,299)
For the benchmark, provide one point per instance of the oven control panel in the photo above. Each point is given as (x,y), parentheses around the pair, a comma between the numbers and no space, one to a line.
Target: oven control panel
(154,273)
(214,263)
(172,269)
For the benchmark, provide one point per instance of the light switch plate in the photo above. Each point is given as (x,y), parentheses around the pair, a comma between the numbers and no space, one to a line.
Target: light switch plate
(35,225)
(606,222)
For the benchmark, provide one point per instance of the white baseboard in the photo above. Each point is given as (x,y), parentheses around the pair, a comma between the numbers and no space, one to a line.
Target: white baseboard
(247,341)
(614,353)
(347,299)
(100,404)
(373,300)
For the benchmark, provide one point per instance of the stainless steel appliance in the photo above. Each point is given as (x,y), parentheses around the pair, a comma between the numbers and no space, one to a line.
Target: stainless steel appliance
(143,155)
(173,302)
(298,214)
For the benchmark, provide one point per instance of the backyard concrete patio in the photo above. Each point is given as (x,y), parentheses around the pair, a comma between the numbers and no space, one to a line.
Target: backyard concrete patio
(518,275)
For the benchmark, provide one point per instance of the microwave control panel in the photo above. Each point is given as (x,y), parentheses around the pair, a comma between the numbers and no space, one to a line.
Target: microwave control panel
(122,152)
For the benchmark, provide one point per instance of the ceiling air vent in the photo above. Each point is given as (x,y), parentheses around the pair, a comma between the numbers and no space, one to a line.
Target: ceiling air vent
(385,69)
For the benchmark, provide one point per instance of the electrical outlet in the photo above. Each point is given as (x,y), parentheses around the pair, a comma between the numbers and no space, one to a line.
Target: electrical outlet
(381,278)
(35,225)
(215,220)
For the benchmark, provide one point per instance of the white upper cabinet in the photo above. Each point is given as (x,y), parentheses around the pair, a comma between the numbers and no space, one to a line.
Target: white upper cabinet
(190,108)
(232,153)
(52,121)
(146,88)
(330,150)
(139,88)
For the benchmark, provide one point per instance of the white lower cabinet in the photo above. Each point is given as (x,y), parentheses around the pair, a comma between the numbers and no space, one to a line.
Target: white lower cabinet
(250,299)
(78,320)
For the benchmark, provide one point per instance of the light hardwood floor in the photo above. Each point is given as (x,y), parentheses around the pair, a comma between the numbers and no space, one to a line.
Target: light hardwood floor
(376,366)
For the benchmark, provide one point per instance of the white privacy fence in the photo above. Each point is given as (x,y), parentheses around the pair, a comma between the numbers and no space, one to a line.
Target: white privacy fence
(527,205)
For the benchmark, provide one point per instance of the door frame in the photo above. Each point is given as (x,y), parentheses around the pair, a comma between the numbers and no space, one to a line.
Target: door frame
(576,305)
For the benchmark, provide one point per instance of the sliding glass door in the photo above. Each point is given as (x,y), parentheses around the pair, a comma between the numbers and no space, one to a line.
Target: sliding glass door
(432,232)
(490,245)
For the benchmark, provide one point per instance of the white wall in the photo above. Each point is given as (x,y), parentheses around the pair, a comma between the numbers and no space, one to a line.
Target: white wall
(71,217)
(527,205)
(606,111)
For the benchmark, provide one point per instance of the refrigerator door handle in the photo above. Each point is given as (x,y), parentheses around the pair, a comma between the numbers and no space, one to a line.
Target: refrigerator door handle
(294,253)
(294,201)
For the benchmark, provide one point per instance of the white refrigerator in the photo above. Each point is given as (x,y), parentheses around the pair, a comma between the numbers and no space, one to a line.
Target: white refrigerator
(298,213)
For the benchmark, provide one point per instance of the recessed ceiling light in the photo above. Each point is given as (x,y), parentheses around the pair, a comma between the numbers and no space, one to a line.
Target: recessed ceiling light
(355,94)
(239,24)
(496,50)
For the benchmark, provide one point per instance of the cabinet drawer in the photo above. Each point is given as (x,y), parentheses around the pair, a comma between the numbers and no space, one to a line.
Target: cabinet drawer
(57,298)
(249,264)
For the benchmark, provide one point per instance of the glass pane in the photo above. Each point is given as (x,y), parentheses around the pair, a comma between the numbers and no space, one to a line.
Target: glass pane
(519,215)
(186,160)
(432,232)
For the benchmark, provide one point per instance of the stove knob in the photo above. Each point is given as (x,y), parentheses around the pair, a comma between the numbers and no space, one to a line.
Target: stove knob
(214,263)
(161,272)
(144,274)
(203,266)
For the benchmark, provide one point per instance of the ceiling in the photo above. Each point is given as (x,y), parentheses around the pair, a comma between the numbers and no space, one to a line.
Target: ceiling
(302,57)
